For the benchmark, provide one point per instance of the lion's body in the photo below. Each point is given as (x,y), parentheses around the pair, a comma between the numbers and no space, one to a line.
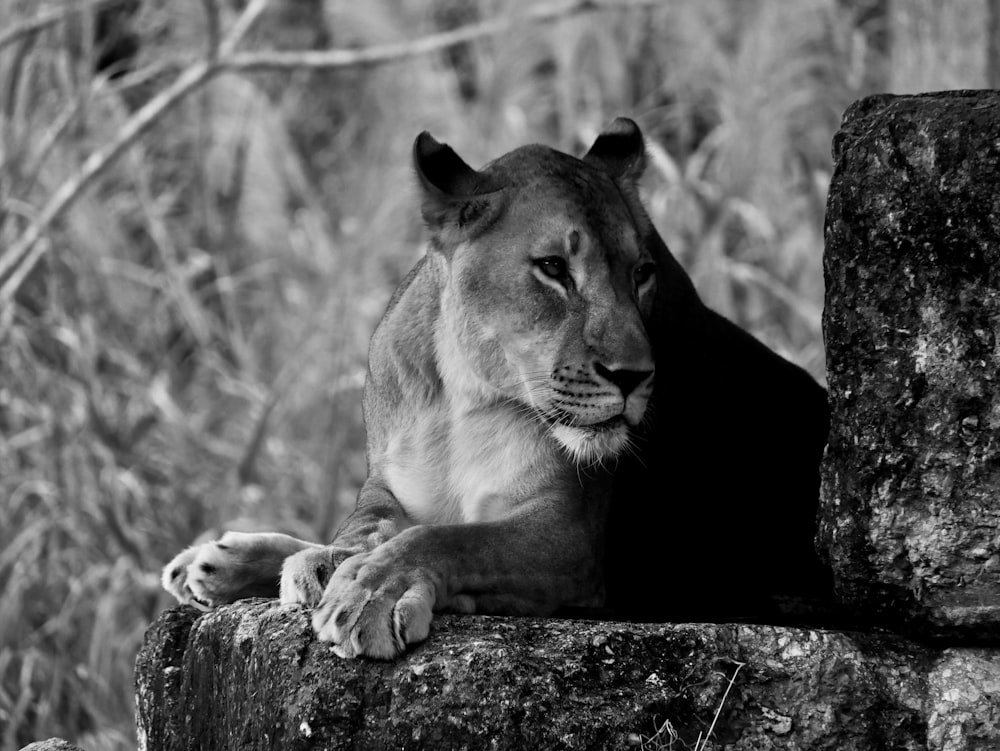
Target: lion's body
(734,460)
(506,409)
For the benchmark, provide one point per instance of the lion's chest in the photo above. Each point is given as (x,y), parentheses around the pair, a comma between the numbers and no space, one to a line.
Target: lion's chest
(479,466)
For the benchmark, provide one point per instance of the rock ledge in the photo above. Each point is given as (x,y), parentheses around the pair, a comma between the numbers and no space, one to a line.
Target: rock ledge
(251,676)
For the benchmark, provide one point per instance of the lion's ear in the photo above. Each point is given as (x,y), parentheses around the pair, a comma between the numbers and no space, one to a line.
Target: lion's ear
(440,169)
(456,198)
(620,151)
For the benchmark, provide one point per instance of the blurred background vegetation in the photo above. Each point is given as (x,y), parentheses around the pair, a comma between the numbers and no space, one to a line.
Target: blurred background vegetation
(188,354)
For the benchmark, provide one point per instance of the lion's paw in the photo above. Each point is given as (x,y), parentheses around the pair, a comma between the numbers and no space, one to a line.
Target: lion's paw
(304,576)
(236,566)
(174,578)
(370,609)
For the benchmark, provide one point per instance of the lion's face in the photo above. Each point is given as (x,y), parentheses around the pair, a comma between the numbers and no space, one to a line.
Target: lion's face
(553,297)
(550,296)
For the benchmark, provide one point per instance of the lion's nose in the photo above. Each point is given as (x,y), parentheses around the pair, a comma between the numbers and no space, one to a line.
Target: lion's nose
(626,380)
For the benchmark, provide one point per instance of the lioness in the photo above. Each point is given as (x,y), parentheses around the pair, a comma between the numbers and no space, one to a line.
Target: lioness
(509,402)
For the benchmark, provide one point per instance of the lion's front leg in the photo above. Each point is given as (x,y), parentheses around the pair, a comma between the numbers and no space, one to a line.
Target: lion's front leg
(379,602)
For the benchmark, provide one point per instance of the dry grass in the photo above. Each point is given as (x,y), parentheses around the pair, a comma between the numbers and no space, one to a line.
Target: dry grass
(191,348)
(666,737)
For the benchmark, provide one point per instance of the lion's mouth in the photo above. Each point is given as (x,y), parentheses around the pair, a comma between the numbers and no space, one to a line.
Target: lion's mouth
(611,424)
(566,419)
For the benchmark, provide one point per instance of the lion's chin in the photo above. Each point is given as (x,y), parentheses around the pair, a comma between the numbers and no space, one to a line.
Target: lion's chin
(590,445)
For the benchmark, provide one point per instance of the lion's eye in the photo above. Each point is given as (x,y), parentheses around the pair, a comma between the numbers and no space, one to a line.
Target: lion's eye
(553,267)
(644,273)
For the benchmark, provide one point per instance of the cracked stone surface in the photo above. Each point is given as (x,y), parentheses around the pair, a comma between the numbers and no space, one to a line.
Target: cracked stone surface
(251,676)
(910,518)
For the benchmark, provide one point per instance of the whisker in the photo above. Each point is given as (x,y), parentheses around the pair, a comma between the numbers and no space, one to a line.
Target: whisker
(632,450)
(534,382)
(533,416)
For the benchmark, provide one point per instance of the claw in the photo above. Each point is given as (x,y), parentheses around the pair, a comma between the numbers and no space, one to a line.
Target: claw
(203,605)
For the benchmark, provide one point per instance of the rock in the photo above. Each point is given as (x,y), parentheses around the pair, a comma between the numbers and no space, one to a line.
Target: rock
(251,676)
(964,686)
(52,744)
(910,514)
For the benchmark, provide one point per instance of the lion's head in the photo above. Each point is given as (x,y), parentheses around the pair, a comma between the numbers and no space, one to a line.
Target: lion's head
(550,288)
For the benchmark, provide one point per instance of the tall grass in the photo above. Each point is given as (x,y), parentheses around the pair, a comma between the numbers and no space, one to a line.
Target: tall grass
(190,353)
